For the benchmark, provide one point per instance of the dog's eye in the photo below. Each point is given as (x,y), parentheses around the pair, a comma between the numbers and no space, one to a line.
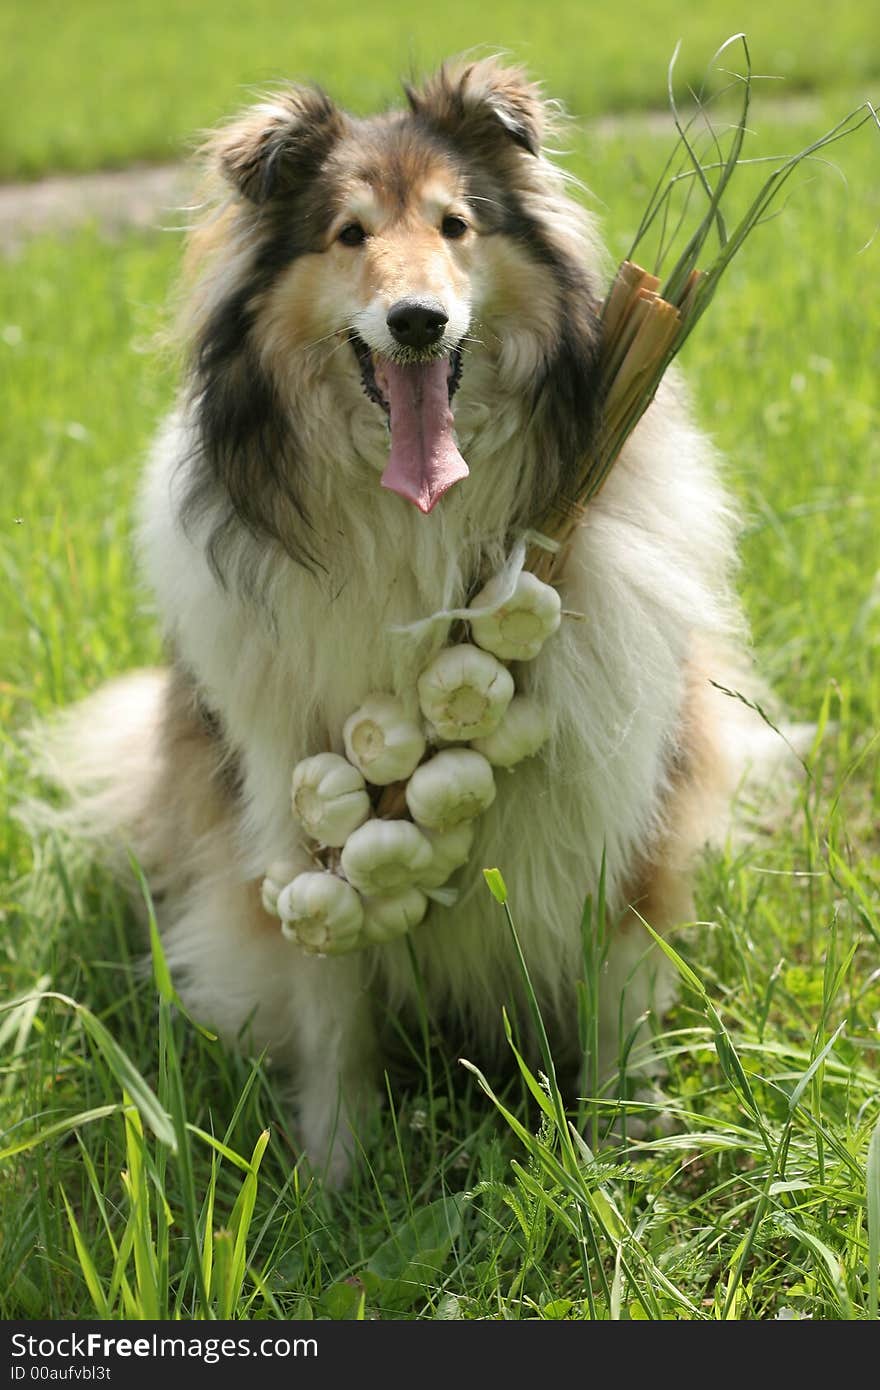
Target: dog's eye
(453,227)
(352,235)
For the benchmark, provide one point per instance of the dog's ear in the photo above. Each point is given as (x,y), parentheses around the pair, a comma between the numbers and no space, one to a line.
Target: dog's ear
(482,104)
(273,148)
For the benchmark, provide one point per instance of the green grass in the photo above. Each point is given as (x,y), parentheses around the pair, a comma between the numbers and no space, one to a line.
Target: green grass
(137,1179)
(99,83)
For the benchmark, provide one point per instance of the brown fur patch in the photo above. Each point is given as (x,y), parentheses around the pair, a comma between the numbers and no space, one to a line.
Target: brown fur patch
(522,293)
(204,241)
(294,317)
(273,147)
(701,784)
(194,801)
(483,104)
(195,792)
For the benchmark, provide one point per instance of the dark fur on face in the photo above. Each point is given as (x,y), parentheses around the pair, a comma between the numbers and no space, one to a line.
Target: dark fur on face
(490,115)
(283,162)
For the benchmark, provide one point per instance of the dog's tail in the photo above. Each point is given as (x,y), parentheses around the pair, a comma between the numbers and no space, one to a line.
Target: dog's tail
(766,756)
(103,758)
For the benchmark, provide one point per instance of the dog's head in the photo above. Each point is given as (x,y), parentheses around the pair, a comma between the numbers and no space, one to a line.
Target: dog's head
(398,262)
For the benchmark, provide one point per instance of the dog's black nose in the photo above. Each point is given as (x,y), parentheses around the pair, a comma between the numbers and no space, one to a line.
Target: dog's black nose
(417,323)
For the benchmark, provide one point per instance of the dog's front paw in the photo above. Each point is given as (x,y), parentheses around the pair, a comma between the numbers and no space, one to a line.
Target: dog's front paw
(330,1162)
(648,1115)
(329,1130)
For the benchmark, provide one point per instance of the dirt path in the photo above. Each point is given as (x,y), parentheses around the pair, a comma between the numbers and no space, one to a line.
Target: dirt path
(140,196)
(149,195)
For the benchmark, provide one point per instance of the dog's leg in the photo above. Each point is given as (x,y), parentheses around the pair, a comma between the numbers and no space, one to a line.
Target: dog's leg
(146,766)
(335,1065)
(638,986)
(639,983)
(243,977)
(311,1015)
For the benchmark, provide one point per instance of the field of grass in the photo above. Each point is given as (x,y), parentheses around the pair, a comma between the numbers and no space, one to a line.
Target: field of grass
(764,1199)
(98,83)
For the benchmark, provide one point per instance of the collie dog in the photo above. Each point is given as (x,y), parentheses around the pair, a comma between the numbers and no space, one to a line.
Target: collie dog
(390,329)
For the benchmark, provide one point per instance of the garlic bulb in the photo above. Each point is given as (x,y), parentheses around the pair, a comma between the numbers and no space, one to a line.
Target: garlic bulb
(450,849)
(453,786)
(518,629)
(394,915)
(278,875)
(382,742)
(321,913)
(385,856)
(522,731)
(329,798)
(464,692)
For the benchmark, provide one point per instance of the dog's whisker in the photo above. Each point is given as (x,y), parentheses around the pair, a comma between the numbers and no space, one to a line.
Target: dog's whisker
(337,347)
(492,202)
(334,333)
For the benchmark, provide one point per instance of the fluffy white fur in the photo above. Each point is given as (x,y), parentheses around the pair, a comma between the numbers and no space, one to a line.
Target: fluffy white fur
(647,573)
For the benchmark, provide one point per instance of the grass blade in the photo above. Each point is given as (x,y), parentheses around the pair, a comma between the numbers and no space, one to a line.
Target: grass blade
(86,1263)
(873,1187)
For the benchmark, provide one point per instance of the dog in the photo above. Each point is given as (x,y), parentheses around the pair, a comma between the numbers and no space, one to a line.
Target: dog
(390,331)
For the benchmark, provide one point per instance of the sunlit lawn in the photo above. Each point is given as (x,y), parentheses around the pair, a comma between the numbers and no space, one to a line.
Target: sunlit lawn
(757,1200)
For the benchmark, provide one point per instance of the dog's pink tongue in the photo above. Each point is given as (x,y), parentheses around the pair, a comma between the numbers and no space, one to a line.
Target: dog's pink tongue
(424,460)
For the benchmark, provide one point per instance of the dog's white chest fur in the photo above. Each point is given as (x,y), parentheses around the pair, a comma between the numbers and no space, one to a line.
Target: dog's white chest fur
(285,673)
